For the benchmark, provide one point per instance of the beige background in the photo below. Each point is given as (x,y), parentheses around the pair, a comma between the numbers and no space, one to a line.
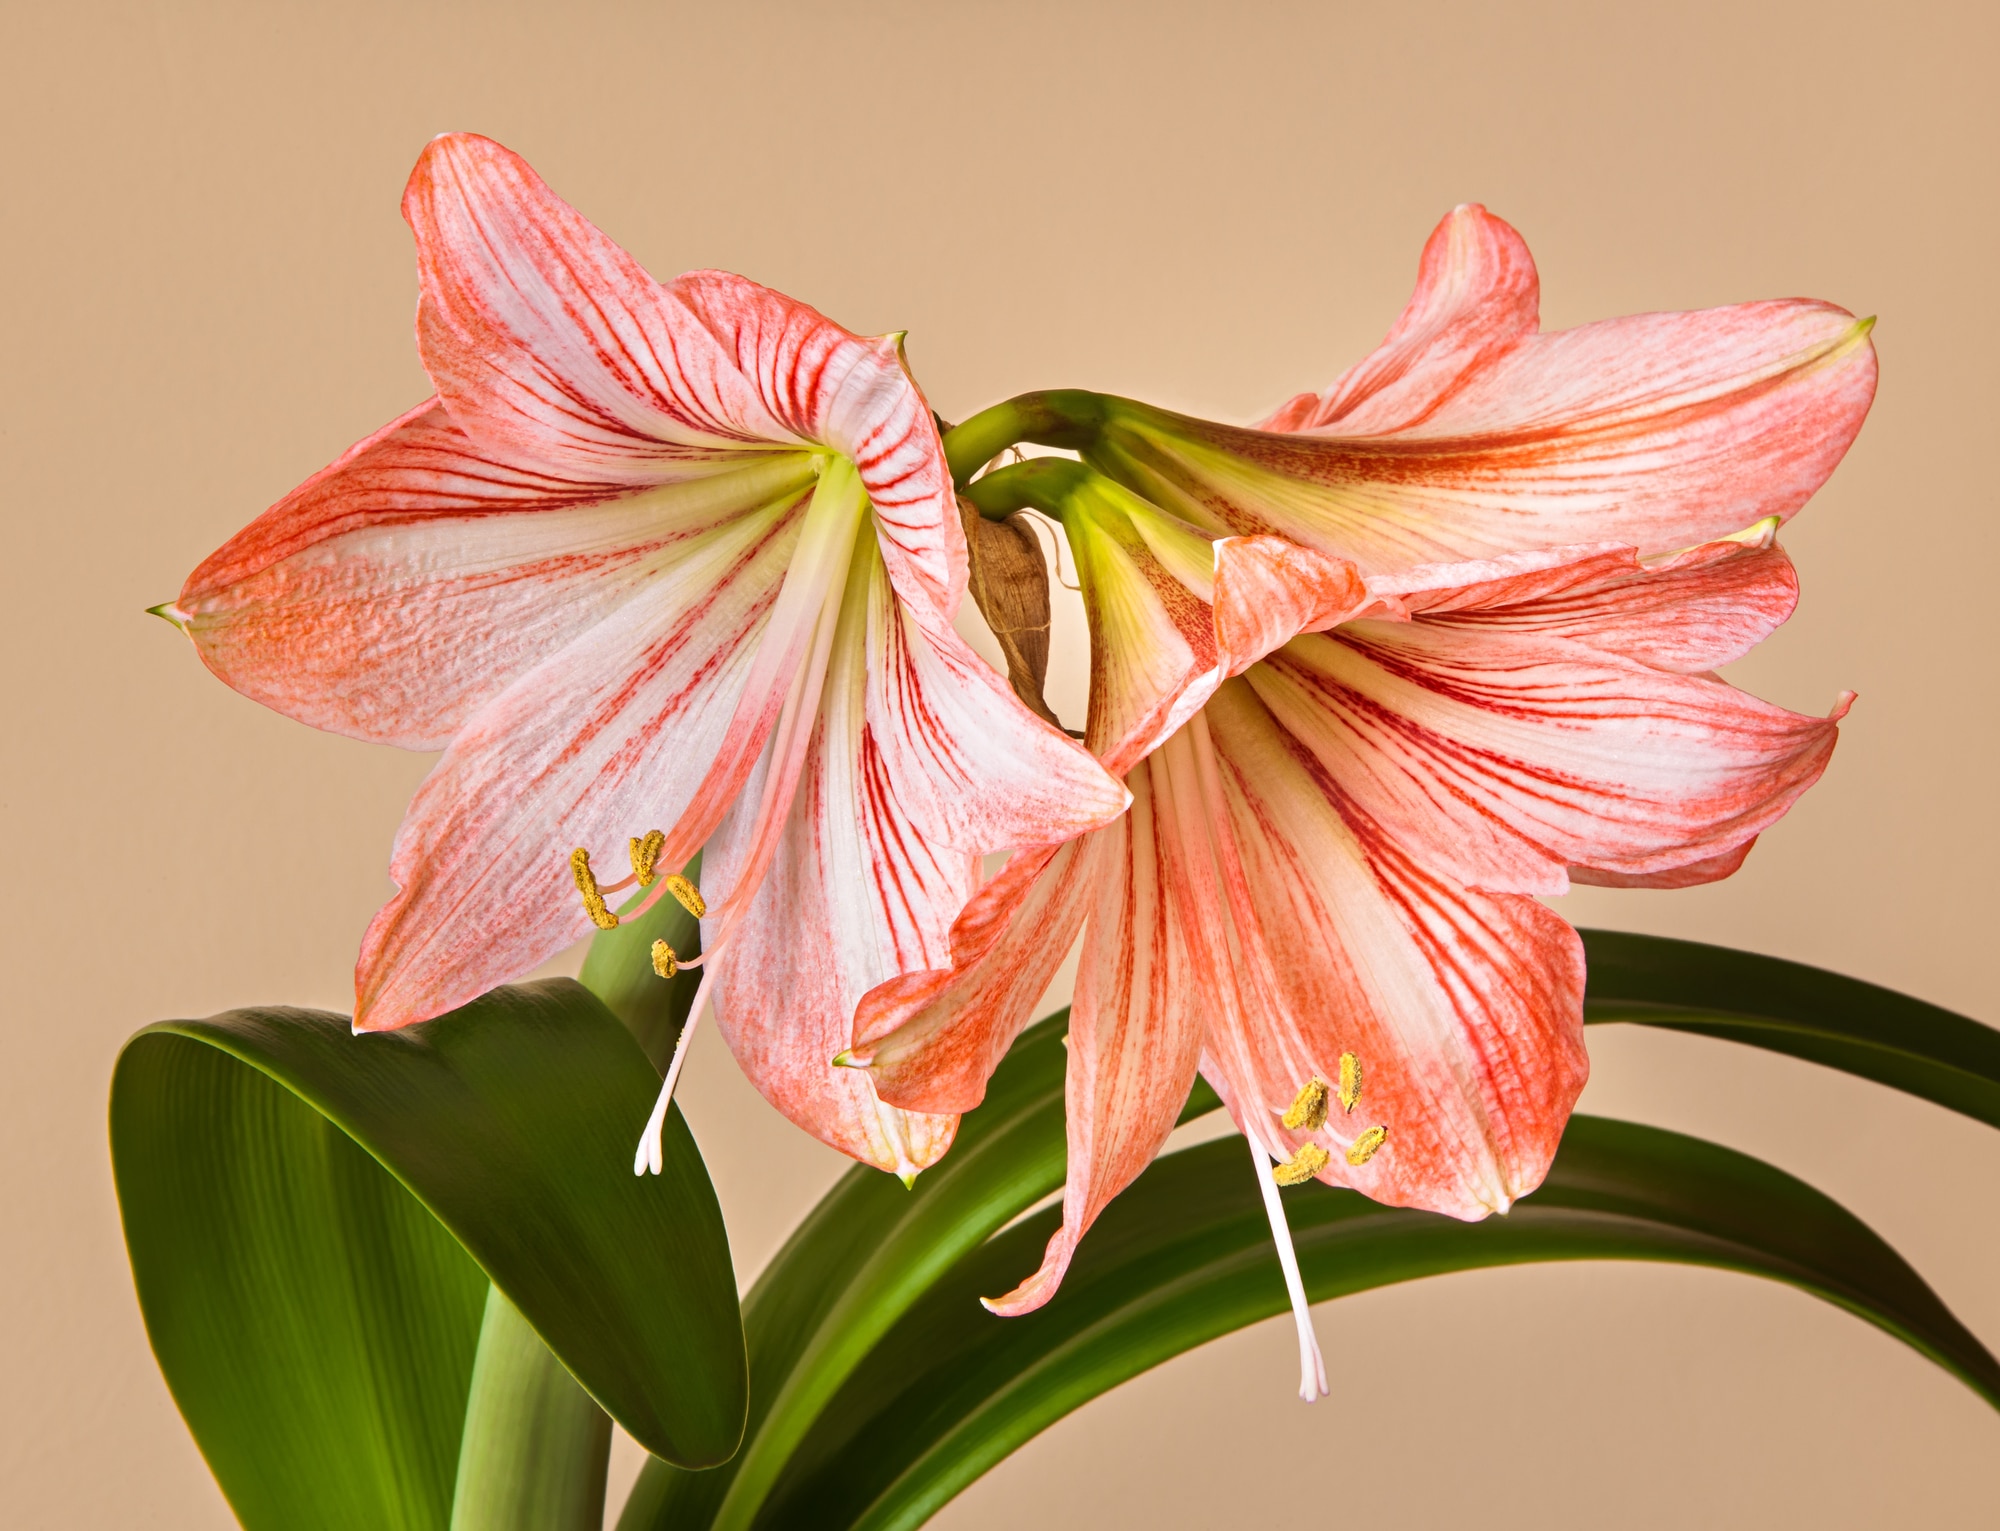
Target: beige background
(208,294)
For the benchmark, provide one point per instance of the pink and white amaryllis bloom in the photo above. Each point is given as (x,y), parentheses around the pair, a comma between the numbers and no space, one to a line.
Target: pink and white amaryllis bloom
(677,558)
(1324,896)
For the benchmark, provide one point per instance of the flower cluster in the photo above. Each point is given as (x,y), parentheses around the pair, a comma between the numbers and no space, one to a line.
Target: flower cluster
(666,566)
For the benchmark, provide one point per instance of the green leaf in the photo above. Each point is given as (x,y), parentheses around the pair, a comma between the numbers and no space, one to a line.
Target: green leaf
(866,1253)
(535,1447)
(1806,1012)
(1185,1255)
(300,1204)
(315,1323)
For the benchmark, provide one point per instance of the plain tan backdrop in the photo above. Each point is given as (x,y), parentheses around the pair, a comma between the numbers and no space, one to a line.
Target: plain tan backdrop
(208,294)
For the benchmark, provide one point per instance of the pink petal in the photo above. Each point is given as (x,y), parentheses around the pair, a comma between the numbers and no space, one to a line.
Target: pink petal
(931,1040)
(1690,875)
(1153,654)
(550,344)
(1477,295)
(1464,1008)
(1135,1031)
(1268,590)
(966,762)
(1691,612)
(856,396)
(1468,435)
(607,738)
(1497,758)
(854,896)
(392,595)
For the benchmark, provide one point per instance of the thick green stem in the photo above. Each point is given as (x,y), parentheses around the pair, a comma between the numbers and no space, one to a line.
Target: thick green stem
(1054,417)
(536,1446)
(1041,483)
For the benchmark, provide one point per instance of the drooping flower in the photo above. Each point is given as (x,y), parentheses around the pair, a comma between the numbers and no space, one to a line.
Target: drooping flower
(678,558)
(1359,748)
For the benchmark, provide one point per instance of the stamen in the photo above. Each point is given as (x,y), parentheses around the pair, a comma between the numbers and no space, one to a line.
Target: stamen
(688,894)
(1362,1149)
(665,963)
(1312,1366)
(1302,1166)
(586,884)
(646,854)
(1308,1110)
(652,1154)
(1350,1081)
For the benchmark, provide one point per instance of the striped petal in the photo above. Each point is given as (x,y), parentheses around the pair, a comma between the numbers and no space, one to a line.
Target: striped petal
(931,1040)
(607,738)
(1471,435)
(394,594)
(1134,1034)
(1499,758)
(551,346)
(1691,612)
(854,896)
(1465,1008)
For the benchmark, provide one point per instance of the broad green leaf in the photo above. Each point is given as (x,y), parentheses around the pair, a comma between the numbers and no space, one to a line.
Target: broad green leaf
(268,1158)
(1806,1012)
(866,1253)
(315,1323)
(535,1447)
(1185,1255)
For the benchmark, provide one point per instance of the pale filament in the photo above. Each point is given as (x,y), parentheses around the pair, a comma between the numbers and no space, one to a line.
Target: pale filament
(1201,815)
(652,1150)
(1312,1365)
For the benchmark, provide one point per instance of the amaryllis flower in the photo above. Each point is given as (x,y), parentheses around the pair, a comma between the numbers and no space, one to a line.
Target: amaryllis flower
(1353,774)
(661,565)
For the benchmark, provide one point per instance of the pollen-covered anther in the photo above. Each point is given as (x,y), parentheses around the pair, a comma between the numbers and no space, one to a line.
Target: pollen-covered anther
(1307,1111)
(1362,1149)
(688,894)
(646,855)
(586,884)
(1302,1166)
(665,963)
(1350,1081)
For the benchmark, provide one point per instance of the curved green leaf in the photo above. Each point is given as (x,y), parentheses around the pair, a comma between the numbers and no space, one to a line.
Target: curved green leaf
(866,1253)
(1185,1255)
(315,1323)
(1806,1012)
(535,1447)
(250,1152)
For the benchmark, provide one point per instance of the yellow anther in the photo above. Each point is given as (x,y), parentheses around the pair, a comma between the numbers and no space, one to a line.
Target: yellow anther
(586,884)
(665,963)
(1302,1166)
(688,894)
(1308,1110)
(1362,1149)
(1350,1081)
(645,855)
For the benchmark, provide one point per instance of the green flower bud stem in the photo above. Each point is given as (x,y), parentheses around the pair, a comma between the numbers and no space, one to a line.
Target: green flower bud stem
(1040,483)
(1055,417)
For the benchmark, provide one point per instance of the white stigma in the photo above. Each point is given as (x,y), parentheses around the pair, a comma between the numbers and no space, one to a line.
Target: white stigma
(652,1154)
(1312,1366)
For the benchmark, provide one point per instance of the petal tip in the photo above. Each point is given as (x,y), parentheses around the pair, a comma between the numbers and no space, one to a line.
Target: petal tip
(169,613)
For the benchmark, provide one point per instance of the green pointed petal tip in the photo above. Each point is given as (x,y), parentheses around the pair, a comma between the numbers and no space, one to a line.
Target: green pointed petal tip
(169,613)
(909,1178)
(845,1059)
